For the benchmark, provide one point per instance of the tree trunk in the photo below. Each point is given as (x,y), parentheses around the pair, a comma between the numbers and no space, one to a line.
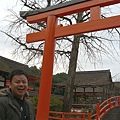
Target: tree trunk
(68,97)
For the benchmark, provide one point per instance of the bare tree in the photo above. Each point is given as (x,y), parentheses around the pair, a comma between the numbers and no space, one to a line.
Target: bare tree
(92,44)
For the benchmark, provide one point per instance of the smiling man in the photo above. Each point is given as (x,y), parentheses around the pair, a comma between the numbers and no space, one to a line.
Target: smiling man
(13,105)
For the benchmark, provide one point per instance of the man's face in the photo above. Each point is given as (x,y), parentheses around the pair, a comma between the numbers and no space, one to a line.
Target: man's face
(19,85)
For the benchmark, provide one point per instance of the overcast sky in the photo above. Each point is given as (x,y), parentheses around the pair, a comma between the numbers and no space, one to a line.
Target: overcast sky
(6,49)
(5,45)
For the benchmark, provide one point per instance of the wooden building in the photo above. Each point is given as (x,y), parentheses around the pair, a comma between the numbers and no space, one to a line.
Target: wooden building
(7,65)
(93,85)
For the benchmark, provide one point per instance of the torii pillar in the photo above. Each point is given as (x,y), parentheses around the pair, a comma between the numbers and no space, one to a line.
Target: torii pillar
(52,31)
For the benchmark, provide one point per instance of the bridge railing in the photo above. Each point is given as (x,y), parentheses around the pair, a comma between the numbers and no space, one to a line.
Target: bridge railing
(103,108)
(66,116)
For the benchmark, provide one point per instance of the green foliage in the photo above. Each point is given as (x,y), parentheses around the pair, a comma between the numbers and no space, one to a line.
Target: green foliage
(34,101)
(60,77)
(55,104)
(35,70)
(37,73)
(83,100)
(84,110)
(35,84)
(59,91)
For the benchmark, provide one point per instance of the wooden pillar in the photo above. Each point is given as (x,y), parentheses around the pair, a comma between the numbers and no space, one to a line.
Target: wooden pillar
(75,95)
(94,96)
(47,70)
(103,95)
(84,93)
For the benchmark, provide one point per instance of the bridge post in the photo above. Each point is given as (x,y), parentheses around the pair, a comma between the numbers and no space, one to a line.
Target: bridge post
(118,101)
(89,116)
(98,111)
(63,116)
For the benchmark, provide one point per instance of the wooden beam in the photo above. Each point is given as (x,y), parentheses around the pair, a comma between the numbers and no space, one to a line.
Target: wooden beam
(80,7)
(95,13)
(91,26)
(47,70)
(25,14)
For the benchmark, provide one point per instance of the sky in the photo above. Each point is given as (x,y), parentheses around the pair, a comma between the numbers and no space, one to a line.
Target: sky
(6,49)
(5,45)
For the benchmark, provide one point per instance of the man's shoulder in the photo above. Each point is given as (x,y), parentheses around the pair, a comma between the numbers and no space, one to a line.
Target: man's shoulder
(3,100)
(3,93)
(3,90)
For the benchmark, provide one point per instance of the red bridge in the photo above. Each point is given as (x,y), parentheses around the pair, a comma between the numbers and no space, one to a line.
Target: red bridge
(101,110)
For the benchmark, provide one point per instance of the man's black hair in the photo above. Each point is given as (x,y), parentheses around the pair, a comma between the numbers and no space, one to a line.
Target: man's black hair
(17,72)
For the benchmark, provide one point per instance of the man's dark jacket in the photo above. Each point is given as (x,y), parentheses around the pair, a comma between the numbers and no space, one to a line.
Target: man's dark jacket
(9,108)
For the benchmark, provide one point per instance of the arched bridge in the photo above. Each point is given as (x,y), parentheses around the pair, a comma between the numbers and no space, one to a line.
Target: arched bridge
(104,111)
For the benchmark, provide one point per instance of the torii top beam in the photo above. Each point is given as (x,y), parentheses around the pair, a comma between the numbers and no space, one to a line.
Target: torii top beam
(25,14)
(67,8)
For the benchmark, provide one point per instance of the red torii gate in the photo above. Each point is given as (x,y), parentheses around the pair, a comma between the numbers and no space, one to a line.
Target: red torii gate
(53,31)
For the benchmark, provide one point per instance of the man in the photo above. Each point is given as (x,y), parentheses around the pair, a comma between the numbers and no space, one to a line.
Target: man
(13,105)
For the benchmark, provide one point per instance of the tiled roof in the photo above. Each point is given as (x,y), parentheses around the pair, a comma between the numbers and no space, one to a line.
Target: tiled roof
(7,65)
(91,78)
(100,77)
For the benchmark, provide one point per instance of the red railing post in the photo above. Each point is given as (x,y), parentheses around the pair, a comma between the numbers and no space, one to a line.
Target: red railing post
(97,111)
(118,101)
(63,116)
(83,117)
(89,116)
(109,103)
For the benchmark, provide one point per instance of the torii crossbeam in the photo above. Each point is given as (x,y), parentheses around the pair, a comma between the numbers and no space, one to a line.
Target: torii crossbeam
(53,31)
